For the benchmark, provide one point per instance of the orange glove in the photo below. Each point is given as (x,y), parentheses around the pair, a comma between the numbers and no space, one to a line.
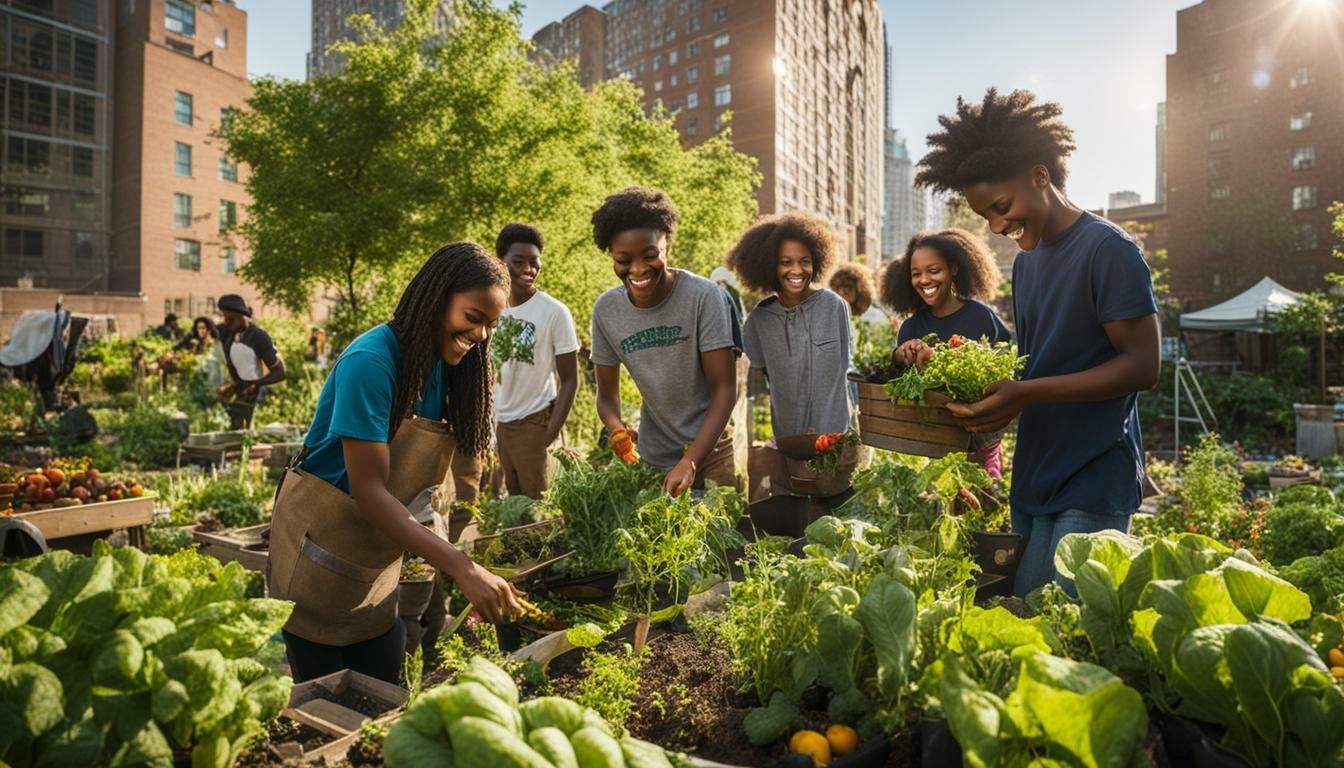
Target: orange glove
(624,446)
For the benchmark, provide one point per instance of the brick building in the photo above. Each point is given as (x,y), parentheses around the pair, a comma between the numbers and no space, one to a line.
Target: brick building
(55,124)
(1254,145)
(804,82)
(331,24)
(580,39)
(179,67)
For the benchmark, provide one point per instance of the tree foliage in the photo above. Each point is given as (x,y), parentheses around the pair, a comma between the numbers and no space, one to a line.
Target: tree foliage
(425,138)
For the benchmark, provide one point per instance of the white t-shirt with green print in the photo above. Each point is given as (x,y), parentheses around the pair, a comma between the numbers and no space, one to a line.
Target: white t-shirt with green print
(524,347)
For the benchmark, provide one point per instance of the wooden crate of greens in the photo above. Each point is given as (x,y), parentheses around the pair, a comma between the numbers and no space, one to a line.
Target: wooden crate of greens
(922,430)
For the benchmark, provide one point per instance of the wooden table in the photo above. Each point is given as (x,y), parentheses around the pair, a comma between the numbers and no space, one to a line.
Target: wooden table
(64,522)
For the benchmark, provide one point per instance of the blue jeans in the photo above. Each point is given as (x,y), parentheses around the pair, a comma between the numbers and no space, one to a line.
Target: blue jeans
(1041,535)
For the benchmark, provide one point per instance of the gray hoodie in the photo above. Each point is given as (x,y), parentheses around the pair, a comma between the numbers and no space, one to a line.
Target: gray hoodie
(805,353)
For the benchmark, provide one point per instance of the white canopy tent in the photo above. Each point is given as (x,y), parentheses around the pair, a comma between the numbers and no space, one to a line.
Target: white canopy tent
(1252,310)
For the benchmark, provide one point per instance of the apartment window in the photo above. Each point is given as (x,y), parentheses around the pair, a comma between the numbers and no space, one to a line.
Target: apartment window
(692,50)
(86,61)
(187,254)
(182,108)
(692,74)
(181,47)
(1300,78)
(228,170)
(723,64)
(1304,198)
(84,12)
(180,17)
(85,206)
(1300,121)
(27,202)
(693,100)
(228,215)
(692,25)
(718,122)
(692,126)
(657,62)
(671,57)
(222,39)
(1215,83)
(181,159)
(85,114)
(657,86)
(1306,237)
(30,104)
(720,39)
(723,95)
(228,260)
(28,155)
(1220,132)
(1219,166)
(81,162)
(721,13)
(181,210)
(672,80)
(27,244)
(1303,157)
(1220,192)
(84,247)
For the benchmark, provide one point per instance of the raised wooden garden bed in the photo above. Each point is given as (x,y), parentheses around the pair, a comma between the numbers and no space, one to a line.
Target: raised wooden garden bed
(243,545)
(337,706)
(220,455)
(64,522)
(922,430)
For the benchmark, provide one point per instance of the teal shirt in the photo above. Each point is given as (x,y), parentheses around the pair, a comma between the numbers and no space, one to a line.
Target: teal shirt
(356,402)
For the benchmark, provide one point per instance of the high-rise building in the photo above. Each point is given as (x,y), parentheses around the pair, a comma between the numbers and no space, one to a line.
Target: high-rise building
(56,73)
(899,221)
(331,25)
(813,120)
(1255,145)
(1160,196)
(581,39)
(180,66)
(1124,199)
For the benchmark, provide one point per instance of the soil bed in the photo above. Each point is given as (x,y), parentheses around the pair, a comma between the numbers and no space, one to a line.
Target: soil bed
(282,731)
(364,705)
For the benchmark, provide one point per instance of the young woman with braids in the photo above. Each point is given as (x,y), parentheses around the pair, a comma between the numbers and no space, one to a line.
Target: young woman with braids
(398,401)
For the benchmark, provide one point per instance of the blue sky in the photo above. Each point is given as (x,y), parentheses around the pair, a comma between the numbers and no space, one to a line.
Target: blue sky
(1105,62)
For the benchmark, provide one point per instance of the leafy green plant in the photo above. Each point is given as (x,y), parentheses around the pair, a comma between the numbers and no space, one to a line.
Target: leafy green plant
(960,368)
(122,657)
(496,513)
(165,541)
(1321,577)
(595,502)
(1297,529)
(609,683)
(873,345)
(146,436)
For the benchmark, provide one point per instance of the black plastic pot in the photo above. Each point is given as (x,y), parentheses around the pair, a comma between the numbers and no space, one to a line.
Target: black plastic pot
(781,515)
(938,747)
(872,753)
(510,637)
(997,553)
(989,585)
(590,588)
(796,547)
(1194,744)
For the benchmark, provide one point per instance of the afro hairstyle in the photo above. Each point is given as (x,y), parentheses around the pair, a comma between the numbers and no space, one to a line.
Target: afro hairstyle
(857,278)
(517,232)
(755,257)
(634,208)
(994,140)
(977,276)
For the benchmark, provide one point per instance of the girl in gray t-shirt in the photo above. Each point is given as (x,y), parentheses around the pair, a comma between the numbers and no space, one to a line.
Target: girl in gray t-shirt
(800,335)
(673,331)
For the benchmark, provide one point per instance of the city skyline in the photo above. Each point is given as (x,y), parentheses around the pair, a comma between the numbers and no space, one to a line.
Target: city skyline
(1107,72)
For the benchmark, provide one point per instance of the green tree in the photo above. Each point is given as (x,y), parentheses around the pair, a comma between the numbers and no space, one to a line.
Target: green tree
(425,138)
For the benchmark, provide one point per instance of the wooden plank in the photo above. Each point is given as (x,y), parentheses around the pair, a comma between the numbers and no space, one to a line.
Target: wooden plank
(342,718)
(60,522)
(953,437)
(913,447)
(921,414)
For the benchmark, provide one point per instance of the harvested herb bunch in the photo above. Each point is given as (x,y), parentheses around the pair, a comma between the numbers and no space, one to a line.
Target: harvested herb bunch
(959,368)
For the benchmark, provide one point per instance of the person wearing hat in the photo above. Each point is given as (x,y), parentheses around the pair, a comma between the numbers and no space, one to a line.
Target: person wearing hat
(251,357)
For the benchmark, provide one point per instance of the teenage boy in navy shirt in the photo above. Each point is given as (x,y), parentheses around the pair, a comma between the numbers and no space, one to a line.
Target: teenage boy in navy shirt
(1085,317)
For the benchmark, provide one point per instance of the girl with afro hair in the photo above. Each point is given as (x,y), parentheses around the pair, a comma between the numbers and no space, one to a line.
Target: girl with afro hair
(1085,317)
(941,281)
(674,332)
(799,336)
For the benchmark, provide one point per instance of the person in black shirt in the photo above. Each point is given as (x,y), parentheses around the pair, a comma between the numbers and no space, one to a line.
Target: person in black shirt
(251,357)
(202,336)
(169,329)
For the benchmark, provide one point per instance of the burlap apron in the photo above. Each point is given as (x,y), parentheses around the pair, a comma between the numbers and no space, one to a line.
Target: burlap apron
(339,570)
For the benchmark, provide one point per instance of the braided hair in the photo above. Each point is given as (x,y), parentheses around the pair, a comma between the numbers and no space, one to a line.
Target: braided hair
(454,268)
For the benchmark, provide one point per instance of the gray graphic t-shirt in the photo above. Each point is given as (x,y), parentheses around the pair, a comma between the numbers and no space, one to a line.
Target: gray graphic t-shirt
(661,347)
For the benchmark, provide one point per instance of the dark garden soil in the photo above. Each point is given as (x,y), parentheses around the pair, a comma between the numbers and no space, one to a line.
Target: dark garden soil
(369,707)
(280,734)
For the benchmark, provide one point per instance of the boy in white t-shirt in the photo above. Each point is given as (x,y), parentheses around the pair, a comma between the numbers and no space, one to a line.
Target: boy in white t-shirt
(534,345)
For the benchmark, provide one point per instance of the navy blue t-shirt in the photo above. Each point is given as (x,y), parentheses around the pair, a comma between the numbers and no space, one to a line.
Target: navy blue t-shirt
(1089,455)
(975,320)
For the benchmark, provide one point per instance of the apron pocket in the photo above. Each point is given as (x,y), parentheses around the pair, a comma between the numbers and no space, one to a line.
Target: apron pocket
(312,551)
